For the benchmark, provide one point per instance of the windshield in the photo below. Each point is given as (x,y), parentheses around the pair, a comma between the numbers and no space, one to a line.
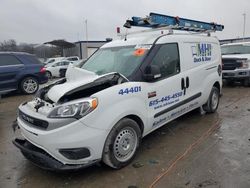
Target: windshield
(123,60)
(235,49)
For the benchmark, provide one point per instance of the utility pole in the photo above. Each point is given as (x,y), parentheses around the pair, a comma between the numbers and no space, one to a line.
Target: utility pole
(86,32)
(86,28)
(244,26)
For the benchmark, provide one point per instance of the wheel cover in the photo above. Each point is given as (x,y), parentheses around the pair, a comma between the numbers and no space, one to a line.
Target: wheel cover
(48,74)
(214,100)
(125,144)
(30,85)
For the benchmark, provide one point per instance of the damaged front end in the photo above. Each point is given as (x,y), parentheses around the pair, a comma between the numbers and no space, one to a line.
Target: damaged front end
(63,90)
(55,106)
(44,160)
(97,85)
(66,100)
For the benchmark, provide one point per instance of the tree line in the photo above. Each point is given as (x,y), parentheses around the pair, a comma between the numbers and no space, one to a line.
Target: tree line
(41,51)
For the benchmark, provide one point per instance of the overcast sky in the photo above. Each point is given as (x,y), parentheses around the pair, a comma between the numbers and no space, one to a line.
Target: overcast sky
(39,21)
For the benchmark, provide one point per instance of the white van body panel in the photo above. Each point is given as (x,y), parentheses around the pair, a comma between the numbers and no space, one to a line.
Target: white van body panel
(168,100)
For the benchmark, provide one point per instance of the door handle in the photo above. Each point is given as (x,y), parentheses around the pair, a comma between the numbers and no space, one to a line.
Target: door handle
(187,82)
(182,84)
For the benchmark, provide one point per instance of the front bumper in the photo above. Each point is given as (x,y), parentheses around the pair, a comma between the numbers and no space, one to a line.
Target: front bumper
(237,74)
(71,145)
(44,160)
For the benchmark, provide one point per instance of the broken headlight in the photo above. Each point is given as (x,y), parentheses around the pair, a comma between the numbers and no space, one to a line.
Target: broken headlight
(74,109)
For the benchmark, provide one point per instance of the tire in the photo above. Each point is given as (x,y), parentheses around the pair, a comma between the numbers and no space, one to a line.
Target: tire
(246,82)
(48,74)
(122,144)
(29,85)
(213,101)
(230,82)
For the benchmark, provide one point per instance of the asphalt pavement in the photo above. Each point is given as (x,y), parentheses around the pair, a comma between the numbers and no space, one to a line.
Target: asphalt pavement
(211,150)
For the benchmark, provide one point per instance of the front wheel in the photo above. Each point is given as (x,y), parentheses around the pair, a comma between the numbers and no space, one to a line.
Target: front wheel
(122,144)
(213,101)
(246,82)
(29,85)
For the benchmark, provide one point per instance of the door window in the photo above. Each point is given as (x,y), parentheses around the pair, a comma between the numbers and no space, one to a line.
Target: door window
(73,59)
(167,59)
(65,63)
(57,64)
(32,59)
(6,60)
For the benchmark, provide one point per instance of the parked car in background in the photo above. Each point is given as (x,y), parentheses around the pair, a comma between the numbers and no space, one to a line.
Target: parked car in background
(20,71)
(79,63)
(70,58)
(236,62)
(52,69)
(52,60)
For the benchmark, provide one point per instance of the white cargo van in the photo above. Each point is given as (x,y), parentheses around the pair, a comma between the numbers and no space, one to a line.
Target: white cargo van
(127,89)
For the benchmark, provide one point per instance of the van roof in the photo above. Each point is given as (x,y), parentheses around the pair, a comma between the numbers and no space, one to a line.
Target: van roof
(150,39)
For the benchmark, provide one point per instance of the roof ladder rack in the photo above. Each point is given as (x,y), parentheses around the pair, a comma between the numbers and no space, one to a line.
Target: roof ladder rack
(155,20)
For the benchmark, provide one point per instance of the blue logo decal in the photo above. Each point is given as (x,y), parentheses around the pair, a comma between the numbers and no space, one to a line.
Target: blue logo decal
(201,52)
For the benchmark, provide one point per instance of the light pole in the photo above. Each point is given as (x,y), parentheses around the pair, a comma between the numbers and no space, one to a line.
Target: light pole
(86,32)
(244,26)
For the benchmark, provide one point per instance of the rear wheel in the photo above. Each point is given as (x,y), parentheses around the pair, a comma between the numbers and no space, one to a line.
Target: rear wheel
(213,101)
(29,85)
(122,143)
(48,74)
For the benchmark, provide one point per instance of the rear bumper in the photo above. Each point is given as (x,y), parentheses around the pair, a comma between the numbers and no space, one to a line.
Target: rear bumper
(238,74)
(42,78)
(44,160)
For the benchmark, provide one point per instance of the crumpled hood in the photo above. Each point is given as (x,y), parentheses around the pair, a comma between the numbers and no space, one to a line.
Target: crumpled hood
(76,77)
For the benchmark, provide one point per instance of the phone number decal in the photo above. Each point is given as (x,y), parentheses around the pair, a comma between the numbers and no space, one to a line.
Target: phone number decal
(164,101)
(135,89)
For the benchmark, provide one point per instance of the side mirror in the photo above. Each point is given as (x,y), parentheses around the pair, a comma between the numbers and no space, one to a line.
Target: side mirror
(151,73)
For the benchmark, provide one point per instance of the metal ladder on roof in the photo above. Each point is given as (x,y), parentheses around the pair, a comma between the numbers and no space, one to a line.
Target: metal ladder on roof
(160,21)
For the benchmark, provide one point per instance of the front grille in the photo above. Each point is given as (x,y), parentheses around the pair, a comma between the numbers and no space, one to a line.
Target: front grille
(230,64)
(228,74)
(38,123)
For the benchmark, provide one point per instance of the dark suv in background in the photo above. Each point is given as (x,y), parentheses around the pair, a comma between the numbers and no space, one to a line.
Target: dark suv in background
(20,71)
